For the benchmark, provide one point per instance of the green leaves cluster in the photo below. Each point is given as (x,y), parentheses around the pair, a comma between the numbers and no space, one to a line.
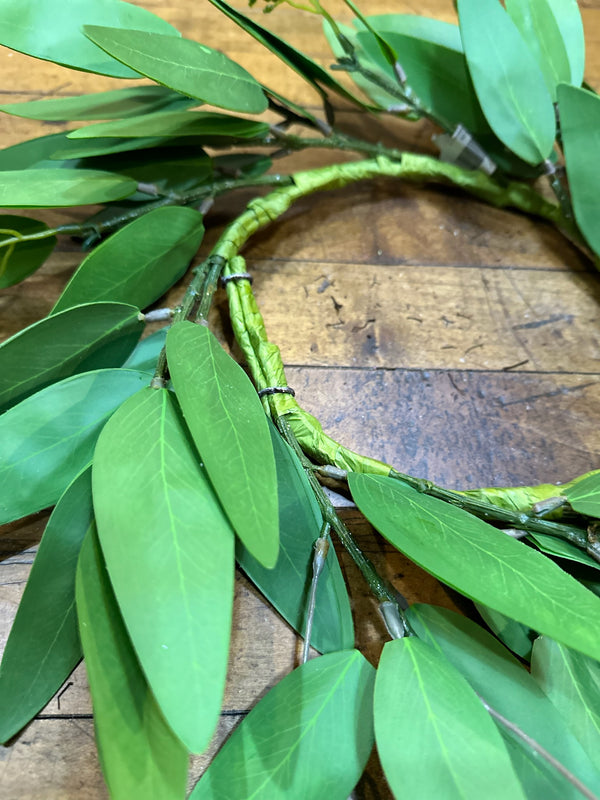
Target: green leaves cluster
(499,74)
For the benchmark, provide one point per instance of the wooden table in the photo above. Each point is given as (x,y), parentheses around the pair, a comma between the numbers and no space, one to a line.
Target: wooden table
(456,341)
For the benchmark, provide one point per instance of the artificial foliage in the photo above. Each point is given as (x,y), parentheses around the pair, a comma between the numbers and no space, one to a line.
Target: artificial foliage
(166,463)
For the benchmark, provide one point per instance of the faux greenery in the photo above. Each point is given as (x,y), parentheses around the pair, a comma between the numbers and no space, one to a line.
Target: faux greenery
(165,463)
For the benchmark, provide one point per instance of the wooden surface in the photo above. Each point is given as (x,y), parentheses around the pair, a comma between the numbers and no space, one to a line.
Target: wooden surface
(458,342)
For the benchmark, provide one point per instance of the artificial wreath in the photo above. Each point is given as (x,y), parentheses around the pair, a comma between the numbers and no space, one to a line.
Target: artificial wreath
(166,463)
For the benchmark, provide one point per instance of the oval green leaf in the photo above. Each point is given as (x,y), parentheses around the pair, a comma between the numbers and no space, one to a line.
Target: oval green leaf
(169,551)
(183,65)
(20,259)
(80,339)
(371,90)
(308,69)
(539,780)
(53,31)
(437,74)
(286,586)
(584,494)
(49,188)
(425,28)
(568,18)
(48,438)
(43,646)
(115,104)
(203,125)
(141,757)
(553,546)
(434,737)
(539,29)
(572,683)
(164,169)
(503,682)
(517,637)
(508,82)
(229,426)
(57,151)
(31,153)
(139,262)
(313,730)
(480,561)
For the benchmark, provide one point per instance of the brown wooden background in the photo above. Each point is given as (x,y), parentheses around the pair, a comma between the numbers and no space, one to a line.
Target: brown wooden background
(458,342)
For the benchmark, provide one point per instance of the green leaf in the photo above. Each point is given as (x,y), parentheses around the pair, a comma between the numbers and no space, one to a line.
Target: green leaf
(538,27)
(169,551)
(437,74)
(52,31)
(480,561)
(17,261)
(424,28)
(57,151)
(183,65)
(141,757)
(229,426)
(308,69)
(286,586)
(48,188)
(43,646)
(165,169)
(553,546)
(584,495)
(508,82)
(538,779)
(151,146)
(115,104)
(309,737)
(568,18)
(171,164)
(139,262)
(498,677)
(248,165)
(146,352)
(78,340)
(372,90)
(206,126)
(517,637)
(26,155)
(572,682)
(433,734)
(49,437)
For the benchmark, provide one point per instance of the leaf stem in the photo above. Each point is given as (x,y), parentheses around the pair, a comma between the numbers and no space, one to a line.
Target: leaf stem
(321,548)
(382,590)
(537,748)
(488,511)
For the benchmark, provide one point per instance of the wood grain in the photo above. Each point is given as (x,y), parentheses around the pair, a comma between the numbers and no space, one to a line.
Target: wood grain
(454,340)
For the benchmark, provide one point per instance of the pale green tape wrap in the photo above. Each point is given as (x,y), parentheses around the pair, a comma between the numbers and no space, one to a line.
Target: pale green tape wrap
(264,358)
(523,498)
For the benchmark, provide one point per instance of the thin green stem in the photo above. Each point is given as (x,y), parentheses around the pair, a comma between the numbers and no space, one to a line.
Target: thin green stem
(405,95)
(382,590)
(321,548)
(488,511)
(193,197)
(201,287)
(537,748)
(335,141)
(561,193)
